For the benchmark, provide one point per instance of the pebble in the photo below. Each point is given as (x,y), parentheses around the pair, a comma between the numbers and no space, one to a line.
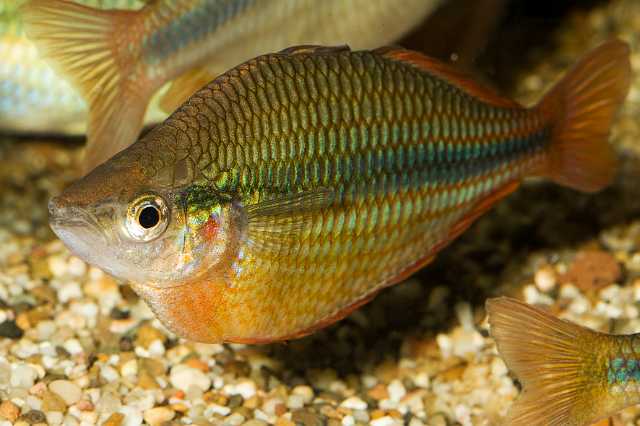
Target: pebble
(10,329)
(182,377)
(396,390)
(354,403)
(69,291)
(53,402)
(545,279)
(54,418)
(305,392)
(34,417)
(23,376)
(9,411)
(295,402)
(68,391)
(158,415)
(132,416)
(384,421)
(115,419)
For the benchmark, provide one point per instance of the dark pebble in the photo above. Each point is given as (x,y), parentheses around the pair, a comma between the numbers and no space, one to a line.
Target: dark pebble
(119,314)
(10,329)
(235,401)
(33,417)
(308,418)
(126,344)
(62,352)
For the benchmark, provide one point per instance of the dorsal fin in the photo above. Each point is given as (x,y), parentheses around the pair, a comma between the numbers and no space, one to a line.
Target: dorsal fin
(448,73)
(311,48)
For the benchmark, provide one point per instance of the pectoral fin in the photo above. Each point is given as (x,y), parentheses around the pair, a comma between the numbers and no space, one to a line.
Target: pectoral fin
(284,218)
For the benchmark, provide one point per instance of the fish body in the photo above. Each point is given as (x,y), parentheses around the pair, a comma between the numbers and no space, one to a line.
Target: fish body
(118,59)
(33,97)
(294,187)
(572,376)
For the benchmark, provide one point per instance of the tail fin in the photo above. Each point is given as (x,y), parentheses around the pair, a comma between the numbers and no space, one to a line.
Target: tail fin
(89,47)
(549,356)
(582,106)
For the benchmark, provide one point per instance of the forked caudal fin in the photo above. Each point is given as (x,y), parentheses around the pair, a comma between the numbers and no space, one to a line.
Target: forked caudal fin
(582,107)
(89,47)
(551,358)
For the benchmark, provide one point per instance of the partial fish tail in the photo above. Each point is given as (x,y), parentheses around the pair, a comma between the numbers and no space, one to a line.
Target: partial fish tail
(562,366)
(581,108)
(92,49)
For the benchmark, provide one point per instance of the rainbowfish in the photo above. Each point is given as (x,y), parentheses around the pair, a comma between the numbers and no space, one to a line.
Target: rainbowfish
(33,98)
(571,375)
(117,60)
(293,188)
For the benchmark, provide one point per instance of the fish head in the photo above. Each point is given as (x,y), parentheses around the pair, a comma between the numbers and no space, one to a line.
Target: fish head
(141,218)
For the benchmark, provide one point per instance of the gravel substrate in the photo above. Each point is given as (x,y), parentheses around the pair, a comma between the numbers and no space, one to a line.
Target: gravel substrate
(77,347)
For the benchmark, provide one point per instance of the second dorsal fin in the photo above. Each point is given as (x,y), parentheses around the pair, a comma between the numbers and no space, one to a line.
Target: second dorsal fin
(462,80)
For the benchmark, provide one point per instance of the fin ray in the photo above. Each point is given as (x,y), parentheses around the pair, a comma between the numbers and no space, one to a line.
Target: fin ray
(85,45)
(582,107)
(549,356)
(280,219)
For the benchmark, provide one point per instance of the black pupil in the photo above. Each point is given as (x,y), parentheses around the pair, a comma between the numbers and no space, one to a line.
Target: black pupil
(149,217)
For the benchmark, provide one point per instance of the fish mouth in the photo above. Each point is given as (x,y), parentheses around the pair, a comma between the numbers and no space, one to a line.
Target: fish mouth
(62,216)
(72,223)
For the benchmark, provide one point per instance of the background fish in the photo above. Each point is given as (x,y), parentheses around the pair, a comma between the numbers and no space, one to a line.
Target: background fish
(291,189)
(572,376)
(33,97)
(118,60)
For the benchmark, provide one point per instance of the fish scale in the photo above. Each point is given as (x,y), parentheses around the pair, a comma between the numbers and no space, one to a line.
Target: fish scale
(291,189)
(421,183)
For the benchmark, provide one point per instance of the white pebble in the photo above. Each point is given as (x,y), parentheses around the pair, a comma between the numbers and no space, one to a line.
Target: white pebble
(445,344)
(158,415)
(33,402)
(129,368)
(45,330)
(76,267)
(568,291)
(354,403)
(306,392)
(58,266)
(69,291)
(245,388)
(610,293)
(54,418)
(70,420)
(109,374)
(396,390)
(217,409)
(236,419)
(463,414)
(132,416)
(498,368)
(545,279)
(73,346)
(23,376)
(68,391)
(156,348)
(384,421)
(422,380)
(183,376)
(348,421)
(295,402)
(579,305)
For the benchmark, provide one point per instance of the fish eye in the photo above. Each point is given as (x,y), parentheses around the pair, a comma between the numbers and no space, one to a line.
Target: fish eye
(147,217)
